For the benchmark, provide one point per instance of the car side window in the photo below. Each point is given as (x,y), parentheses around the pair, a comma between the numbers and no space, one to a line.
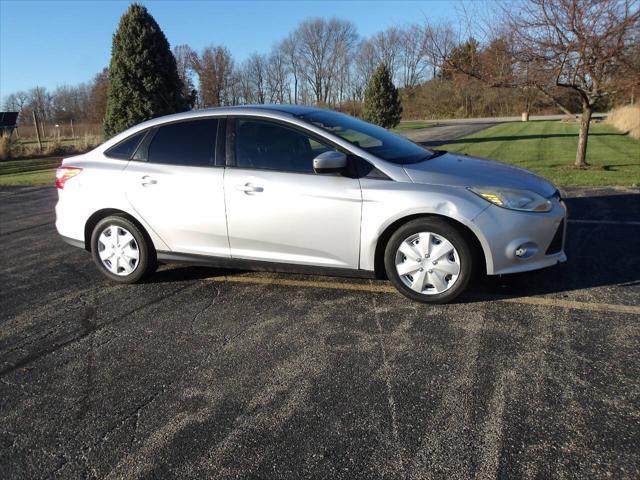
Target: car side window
(190,143)
(268,145)
(125,149)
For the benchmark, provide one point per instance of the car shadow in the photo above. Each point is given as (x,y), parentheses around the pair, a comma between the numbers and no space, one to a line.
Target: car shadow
(180,273)
(599,254)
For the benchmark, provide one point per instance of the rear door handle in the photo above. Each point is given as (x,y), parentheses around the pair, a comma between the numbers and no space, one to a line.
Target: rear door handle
(248,188)
(147,180)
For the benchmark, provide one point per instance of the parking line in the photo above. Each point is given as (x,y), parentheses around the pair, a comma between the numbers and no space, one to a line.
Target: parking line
(305,283)
(556,302)
(604,222)
(539,301)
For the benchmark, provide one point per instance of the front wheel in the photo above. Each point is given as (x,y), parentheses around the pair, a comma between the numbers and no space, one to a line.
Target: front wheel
(121,251)
(429,260)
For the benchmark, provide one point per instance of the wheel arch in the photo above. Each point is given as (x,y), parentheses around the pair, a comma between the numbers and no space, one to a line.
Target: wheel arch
(93,220)
(479,251)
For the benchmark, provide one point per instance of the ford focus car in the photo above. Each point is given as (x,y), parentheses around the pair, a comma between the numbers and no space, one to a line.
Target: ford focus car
(303,189)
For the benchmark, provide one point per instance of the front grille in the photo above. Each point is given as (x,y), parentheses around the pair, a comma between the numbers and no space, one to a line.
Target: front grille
(556,244)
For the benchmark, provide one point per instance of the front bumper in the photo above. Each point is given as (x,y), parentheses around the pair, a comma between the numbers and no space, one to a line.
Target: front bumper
(508,233)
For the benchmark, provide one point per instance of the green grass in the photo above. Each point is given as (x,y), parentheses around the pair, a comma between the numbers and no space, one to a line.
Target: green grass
(35,171)
(549,148)
(39,177)
(9,167)
(413,125)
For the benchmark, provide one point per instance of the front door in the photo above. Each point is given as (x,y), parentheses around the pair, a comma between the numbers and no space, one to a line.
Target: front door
(278,209)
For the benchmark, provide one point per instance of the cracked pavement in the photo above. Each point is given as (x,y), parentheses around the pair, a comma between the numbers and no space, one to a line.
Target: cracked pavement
(187,377)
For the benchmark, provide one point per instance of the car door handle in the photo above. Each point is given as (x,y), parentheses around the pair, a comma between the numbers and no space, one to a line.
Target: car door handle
(248,188)
(147,180)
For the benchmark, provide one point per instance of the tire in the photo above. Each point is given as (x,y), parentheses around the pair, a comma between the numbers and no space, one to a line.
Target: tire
(410,255)
(132,256)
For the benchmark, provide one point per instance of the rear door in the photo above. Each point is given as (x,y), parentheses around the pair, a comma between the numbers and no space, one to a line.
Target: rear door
(176,187)
(278,209)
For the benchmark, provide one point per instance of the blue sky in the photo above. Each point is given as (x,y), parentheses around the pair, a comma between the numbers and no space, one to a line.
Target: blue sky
(52,43)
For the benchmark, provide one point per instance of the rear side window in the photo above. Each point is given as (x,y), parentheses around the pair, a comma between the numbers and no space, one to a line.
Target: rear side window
(125,149)
(269,146)
(189,143)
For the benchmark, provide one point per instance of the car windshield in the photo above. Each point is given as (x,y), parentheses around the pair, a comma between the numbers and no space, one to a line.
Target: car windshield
(375,140)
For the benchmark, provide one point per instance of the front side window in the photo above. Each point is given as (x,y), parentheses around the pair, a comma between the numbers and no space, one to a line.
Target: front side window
(371,138)
(125,149)
(267,145)
(190,143)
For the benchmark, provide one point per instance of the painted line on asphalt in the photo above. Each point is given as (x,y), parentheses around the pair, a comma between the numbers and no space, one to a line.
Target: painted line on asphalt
(305,283)
(590,306)
(604,222)
(538,301)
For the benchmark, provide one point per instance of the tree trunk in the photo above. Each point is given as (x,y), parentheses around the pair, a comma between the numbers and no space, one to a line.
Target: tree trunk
(585,121)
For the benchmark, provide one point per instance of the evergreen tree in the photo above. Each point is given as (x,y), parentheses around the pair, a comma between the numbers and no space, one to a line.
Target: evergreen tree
(381,102)
(143,77)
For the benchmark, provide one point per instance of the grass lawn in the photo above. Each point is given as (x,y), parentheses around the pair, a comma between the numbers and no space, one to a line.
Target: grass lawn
(36,171)
(413,125)
(549,148)
(39,177)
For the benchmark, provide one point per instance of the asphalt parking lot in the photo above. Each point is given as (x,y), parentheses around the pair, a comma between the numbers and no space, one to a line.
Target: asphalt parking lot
(204,373)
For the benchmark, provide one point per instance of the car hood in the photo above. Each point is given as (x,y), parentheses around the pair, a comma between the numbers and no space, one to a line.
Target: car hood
(464,171)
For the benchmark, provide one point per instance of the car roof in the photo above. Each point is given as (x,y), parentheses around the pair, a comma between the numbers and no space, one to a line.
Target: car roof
(263,110)
(284,108)
(274,111)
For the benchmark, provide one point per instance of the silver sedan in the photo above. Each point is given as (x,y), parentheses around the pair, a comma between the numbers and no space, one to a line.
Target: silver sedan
(302,189)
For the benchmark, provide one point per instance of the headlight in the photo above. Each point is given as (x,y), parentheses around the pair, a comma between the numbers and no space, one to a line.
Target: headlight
(523,200)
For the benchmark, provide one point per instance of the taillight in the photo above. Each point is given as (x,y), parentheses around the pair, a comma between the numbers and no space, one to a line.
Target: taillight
(63,174)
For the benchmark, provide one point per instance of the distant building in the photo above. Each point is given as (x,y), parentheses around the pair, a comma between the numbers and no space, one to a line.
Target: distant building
(8,121)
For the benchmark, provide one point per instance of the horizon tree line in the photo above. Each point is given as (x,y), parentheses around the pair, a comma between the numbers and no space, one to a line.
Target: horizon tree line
(326,62)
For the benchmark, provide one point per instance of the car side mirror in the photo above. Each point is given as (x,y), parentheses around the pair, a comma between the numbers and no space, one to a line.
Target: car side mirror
(330,162)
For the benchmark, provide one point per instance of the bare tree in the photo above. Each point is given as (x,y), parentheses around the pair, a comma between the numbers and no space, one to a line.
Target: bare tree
(234,88)
(15,102)
(292,61)
(70,103)
(364,66)
(387,45)
(277,75)
(578,44)
(322,46)
(40,101)
(256,72)
(412,54)
(213,68)
(184,55)
(98,97)
(440,39)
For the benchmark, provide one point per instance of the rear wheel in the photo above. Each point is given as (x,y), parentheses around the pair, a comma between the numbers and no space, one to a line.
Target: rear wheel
(121,250)
(429,260)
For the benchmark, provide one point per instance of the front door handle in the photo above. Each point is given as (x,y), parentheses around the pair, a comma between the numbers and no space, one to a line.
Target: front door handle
(147,180)
(249,189)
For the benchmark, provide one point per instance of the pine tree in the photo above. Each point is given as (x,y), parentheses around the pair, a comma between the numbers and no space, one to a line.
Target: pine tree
(381,103)
(143,77)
